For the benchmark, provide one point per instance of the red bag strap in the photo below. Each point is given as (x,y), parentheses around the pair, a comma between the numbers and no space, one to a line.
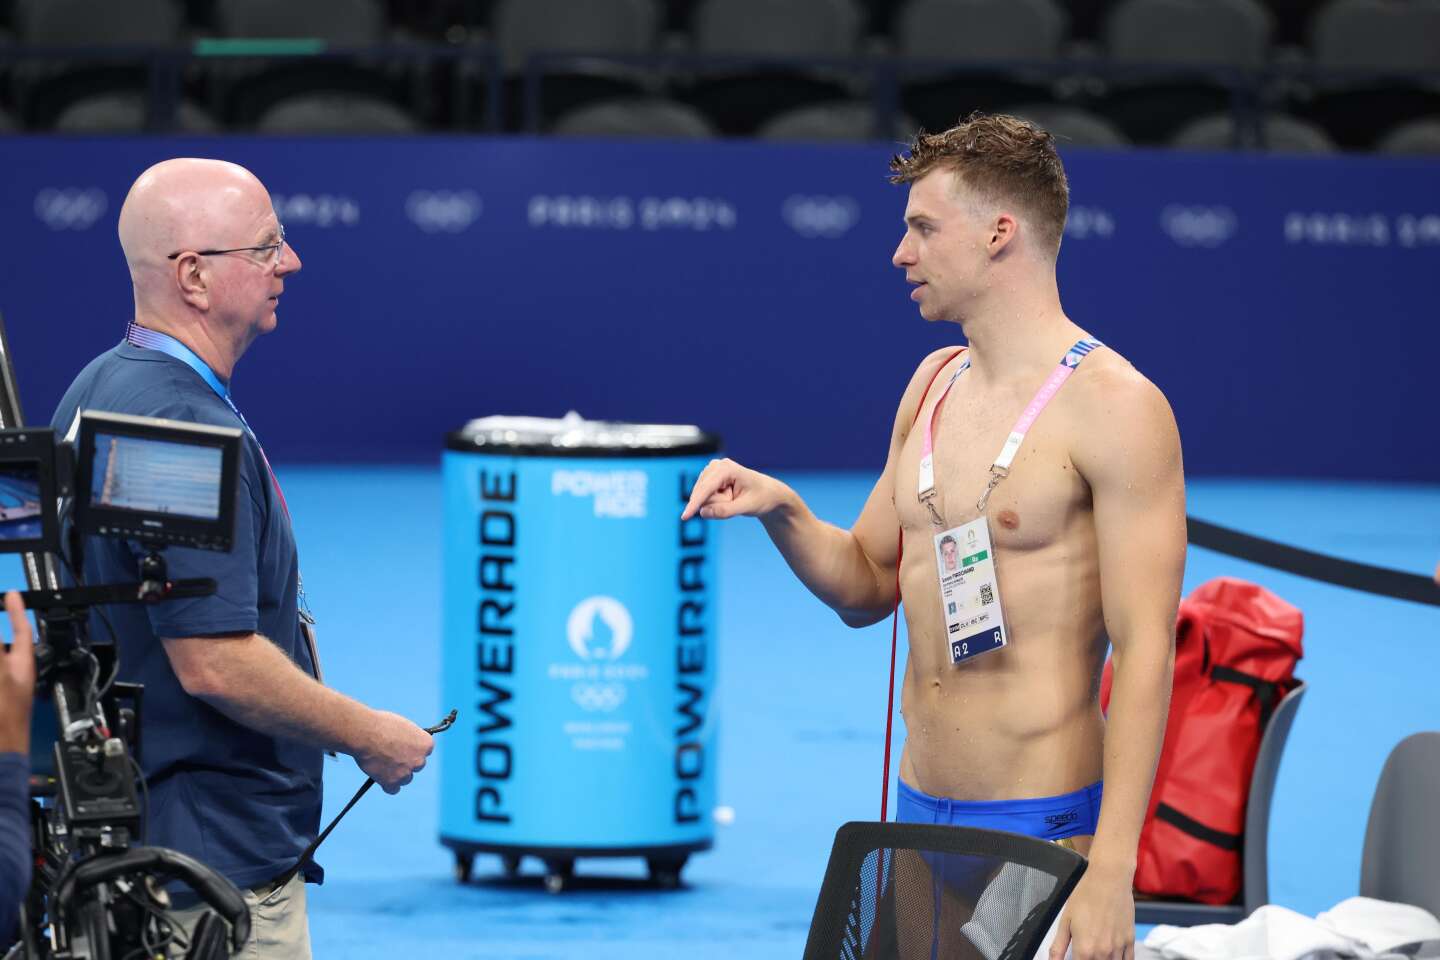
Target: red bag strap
(895,614)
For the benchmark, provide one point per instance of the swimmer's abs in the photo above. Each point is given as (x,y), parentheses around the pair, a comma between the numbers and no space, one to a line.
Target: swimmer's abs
(978,747)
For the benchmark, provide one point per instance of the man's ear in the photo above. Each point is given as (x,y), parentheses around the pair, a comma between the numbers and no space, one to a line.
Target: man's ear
(1002,233)
(192,281)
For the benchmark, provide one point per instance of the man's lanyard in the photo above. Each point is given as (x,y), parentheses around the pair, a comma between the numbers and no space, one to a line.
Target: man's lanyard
(147,339)
(1000,469)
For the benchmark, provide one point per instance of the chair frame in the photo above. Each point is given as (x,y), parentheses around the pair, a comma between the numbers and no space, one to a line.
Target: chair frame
(855,841)
(1255,885)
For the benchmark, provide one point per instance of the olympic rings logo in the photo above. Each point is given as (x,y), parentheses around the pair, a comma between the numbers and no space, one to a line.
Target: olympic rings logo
(1199,226)
(827,218)
(70,208)
(322,210)
(443,211)
(603,697)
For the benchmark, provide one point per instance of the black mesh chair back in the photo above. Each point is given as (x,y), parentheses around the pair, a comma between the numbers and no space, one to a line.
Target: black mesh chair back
(894,891)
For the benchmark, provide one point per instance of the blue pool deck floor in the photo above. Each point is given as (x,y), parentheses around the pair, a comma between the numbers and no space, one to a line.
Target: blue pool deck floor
(801,703)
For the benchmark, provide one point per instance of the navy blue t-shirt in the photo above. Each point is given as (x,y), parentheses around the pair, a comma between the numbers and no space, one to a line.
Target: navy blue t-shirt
(14,840)
(242,802)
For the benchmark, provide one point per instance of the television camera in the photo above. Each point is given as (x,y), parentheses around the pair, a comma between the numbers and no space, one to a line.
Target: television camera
(98,892)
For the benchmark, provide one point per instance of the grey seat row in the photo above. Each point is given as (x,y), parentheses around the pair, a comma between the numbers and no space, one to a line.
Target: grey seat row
(653,117)
(848,121)
(1382,34)
(988,41)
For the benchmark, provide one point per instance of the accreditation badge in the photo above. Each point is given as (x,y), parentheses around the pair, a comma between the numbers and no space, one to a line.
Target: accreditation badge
(969,590)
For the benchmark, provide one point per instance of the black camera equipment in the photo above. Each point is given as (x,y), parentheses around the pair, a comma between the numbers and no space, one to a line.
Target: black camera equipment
(97,893)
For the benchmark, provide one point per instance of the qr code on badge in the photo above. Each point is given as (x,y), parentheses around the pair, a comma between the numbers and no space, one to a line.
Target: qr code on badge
(987,596)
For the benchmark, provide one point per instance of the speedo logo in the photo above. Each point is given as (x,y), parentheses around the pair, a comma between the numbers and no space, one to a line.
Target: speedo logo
(1062,819)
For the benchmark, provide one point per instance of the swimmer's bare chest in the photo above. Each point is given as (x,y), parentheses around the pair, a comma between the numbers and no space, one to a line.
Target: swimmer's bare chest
(1021,721)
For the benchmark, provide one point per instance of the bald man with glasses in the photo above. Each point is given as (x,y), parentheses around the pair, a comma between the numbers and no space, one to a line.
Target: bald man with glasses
(236,715)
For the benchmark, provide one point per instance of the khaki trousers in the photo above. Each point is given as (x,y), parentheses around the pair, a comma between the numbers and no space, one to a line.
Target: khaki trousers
(279,929)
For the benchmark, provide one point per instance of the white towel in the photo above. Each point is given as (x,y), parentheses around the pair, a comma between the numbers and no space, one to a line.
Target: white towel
(1270,933)
(1379,924)
(1357,928)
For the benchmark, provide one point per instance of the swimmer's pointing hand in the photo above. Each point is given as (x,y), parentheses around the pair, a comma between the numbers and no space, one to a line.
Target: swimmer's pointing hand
(726,489)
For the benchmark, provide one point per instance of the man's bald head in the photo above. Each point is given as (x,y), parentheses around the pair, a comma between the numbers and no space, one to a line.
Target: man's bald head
(186,204)
(206,254)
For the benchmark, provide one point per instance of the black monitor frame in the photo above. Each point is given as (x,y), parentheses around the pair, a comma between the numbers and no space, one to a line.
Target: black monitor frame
(34,447)
(149,527)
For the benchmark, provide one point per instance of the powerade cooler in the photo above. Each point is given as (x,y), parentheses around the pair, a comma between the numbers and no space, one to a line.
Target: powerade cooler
(579,645)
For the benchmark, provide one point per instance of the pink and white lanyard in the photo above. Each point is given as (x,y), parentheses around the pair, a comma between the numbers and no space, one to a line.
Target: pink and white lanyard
(1000,469)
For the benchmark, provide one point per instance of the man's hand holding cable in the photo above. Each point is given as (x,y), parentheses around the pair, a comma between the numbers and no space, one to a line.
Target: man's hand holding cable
(395,751)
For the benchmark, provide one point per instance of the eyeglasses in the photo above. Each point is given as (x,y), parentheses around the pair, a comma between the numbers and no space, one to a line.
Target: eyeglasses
(272,248)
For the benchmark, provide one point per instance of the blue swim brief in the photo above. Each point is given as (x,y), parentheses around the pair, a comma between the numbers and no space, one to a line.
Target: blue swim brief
(1048,818)
(969,877)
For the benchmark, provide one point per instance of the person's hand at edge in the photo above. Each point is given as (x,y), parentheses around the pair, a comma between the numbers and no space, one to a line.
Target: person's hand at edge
(17,680)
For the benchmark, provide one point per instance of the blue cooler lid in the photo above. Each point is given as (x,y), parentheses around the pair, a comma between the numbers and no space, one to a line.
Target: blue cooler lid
(574,436)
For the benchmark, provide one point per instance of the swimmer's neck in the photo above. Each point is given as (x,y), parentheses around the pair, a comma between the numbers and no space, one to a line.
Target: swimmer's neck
(1019,342)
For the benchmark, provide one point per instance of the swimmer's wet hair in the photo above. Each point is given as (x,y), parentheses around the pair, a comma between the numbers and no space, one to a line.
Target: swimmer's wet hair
(1002,158)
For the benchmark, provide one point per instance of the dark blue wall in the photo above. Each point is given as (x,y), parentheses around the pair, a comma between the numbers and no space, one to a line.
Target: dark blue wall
(1286,306)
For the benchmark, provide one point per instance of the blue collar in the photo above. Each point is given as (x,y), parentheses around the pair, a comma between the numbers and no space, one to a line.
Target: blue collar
(145,338)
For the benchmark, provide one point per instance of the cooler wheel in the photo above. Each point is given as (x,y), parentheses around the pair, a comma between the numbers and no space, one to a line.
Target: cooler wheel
(665,871)
(558,874)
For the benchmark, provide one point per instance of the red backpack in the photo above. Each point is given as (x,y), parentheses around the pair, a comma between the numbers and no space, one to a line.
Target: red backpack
(1236,645)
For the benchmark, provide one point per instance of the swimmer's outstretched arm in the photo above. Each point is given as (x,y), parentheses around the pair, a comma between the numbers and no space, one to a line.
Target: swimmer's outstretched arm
(832,563)
(851,571)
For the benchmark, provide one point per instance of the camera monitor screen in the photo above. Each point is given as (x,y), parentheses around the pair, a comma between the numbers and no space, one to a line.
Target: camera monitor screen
(156,476)
(158,481)
(27,489)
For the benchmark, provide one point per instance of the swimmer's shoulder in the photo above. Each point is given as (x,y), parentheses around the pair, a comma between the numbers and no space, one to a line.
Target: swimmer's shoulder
(926,373)
(1107,388)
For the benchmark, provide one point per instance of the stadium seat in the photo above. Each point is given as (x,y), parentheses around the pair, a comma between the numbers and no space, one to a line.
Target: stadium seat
(126,111)
(634,118)
(335,114)
(246,89)
(44,89)
(1277,133)
(844,121)
(740,99)
(1416,138)
(1187,50)
(1072,126)
(973,34)
(604,27)
(1389,38)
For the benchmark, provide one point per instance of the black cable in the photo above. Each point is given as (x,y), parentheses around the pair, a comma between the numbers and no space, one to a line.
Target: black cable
(104,618)
(1381,581)
(96,691)
(309,851)
(145,802)
(155,916)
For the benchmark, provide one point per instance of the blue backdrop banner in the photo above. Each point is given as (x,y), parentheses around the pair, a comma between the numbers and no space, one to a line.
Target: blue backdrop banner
(1285,305)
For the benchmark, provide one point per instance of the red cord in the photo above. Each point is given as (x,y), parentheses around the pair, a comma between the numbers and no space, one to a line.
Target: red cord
(890,703)
(895,616)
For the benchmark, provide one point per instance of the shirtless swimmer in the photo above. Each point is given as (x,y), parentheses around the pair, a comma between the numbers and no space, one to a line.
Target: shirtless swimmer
(1087,530)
